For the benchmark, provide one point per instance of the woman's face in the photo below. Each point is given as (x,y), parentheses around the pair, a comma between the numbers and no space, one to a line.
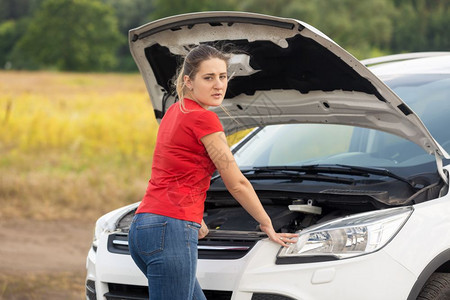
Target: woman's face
(209,85)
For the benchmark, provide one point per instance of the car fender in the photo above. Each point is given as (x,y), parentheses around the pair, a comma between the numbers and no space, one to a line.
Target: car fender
(432,266)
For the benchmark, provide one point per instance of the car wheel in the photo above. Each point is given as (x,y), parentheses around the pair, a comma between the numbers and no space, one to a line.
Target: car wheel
(436,288)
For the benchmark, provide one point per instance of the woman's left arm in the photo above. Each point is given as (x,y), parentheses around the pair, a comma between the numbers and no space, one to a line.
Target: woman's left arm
(239,187)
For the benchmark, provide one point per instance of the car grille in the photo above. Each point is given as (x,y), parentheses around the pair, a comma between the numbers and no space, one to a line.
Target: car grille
(133,292)
(126,292)
(90,290)
(217,245)
(264,296)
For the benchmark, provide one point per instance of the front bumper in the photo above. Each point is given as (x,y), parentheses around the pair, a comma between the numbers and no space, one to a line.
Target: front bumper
(256,276)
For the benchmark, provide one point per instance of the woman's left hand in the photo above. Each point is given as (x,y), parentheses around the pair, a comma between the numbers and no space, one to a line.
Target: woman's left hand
(203,231)
(284,239)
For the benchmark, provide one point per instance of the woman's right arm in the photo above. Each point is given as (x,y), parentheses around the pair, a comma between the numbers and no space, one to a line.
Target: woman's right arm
(239,186)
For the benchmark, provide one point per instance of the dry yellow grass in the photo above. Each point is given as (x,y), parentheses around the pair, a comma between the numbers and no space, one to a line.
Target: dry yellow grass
(73,146)
(64,285)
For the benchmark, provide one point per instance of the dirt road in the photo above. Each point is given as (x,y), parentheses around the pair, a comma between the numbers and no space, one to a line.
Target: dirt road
(43,260)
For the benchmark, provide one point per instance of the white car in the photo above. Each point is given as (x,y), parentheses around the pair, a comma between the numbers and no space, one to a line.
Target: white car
(352,158)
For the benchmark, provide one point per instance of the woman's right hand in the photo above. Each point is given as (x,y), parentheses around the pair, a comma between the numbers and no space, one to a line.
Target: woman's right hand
(203,231)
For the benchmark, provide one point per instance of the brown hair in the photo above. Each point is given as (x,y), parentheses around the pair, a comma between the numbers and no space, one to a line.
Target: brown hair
(192,63)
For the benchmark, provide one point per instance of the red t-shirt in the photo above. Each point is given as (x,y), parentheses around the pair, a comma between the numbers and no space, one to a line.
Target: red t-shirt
(182,169)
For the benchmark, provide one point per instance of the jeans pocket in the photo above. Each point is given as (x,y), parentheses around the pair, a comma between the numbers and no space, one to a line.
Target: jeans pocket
(194,225)
(149,238)
(192,232)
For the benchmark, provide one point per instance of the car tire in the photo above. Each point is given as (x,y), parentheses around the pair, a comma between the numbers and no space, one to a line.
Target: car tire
(436,288)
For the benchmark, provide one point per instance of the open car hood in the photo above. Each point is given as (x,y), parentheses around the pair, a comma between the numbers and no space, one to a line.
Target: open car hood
(286,72)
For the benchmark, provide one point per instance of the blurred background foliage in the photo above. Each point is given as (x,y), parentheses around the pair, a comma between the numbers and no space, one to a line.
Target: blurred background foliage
(91,35)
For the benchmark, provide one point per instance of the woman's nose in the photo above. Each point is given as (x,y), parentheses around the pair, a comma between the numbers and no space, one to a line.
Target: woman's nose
(218,84)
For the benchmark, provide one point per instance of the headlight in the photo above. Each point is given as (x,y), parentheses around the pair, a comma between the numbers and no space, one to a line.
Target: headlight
(347,237)
(116,220)
(100,226)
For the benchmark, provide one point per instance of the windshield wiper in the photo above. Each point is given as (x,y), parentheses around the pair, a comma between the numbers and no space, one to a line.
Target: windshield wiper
(291,173)
(314,170)
(381,172)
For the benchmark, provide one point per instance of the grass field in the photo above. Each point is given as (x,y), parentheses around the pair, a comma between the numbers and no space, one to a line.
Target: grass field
(73,146)
(64,285)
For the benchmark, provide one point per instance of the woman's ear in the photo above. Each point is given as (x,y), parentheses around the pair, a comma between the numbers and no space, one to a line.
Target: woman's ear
(187,82)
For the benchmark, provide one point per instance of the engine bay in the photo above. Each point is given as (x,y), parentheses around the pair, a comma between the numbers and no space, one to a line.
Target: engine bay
(291,212)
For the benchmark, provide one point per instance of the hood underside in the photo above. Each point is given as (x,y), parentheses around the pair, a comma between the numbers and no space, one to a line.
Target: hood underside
(284,71)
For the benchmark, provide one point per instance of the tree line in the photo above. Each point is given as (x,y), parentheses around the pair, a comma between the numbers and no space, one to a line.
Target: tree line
(92,35)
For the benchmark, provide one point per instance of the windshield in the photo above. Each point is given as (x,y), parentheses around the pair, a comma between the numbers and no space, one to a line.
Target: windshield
(429,97)
(306,144)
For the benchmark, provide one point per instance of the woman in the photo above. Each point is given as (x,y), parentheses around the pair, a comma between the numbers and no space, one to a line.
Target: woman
(190,145)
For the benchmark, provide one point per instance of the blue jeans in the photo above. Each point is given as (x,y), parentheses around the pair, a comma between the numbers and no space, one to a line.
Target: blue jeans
(165,249)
